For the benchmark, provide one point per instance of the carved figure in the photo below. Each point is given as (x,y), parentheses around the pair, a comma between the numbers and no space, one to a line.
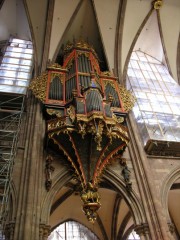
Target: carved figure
(126,174)
(48,171)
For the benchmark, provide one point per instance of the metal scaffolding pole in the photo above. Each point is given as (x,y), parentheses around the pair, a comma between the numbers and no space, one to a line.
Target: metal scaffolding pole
(11,109)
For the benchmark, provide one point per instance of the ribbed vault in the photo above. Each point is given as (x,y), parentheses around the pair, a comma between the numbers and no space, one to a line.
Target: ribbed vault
(124,209)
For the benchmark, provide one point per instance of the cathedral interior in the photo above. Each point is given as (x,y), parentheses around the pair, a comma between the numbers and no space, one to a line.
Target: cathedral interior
(89,119)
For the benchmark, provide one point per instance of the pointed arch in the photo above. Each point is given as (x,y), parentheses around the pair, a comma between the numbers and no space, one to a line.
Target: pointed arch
(47,205)
(133,44)
(60,180)
(118,40)
(109,176)
(130,197)
(163,44)
(135,41)
(167,183)
(73,229)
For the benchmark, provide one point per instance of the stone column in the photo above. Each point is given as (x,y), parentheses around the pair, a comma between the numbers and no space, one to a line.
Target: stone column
(153,211)
(31,182)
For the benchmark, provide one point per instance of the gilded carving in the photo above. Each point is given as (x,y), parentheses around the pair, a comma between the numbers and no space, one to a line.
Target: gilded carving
(69,46)
(52,111)
(84,74)
(106,82)
(55,66)
(118,119)
(56,123)
(91,202)
(80,44)
(107,73)
(86,54)
(82,128)
(98,136)
(71,112)
(90,89)
(59,75)
(95,124)
(127,98)
(39,86)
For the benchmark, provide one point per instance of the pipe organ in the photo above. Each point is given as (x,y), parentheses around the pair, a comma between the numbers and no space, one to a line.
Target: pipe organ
(86,113)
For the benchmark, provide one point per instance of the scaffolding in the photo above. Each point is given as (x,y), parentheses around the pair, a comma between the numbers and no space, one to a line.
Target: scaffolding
(15,73)
(11,109)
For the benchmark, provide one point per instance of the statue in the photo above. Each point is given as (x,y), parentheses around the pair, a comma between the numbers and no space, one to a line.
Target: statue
(48,171)
(126,173)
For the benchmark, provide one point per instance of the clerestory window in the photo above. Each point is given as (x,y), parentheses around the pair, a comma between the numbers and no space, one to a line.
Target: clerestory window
(157,110)
(133,236)
(16,66)
(72,230)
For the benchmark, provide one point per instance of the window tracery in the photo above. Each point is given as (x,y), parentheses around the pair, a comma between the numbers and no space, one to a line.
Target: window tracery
(72,230)
(157,110)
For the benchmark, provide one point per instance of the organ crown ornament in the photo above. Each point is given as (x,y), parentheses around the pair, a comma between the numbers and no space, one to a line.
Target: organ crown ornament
(86,113)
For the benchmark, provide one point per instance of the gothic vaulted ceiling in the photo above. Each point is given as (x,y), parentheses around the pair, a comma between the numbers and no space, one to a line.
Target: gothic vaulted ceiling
(112,27)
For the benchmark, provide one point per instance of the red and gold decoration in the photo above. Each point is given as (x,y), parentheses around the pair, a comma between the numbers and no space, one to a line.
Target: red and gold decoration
(86,117)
